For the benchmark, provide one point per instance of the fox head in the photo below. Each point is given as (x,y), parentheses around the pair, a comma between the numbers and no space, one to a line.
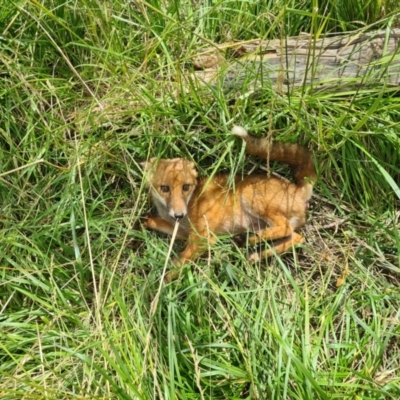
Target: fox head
(172,183)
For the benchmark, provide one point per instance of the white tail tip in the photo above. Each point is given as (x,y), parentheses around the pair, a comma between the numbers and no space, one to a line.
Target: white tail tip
(239,131)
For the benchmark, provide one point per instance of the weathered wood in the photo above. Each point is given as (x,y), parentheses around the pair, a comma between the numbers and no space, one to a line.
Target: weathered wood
(366,59)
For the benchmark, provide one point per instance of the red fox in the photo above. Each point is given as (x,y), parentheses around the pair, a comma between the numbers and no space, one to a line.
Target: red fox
(270,207)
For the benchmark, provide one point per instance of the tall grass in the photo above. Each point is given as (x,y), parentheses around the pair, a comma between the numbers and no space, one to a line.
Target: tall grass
(88,90)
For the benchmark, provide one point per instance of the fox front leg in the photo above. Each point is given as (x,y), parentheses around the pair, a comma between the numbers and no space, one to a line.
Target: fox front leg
(195,246)
(161,225)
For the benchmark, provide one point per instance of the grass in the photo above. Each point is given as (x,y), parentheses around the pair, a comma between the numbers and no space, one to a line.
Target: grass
(87,91)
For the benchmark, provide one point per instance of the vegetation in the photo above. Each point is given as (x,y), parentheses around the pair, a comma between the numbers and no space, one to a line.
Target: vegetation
(89,89)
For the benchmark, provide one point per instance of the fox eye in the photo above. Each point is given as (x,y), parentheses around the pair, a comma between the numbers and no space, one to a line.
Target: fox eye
(164,188)
(185,188)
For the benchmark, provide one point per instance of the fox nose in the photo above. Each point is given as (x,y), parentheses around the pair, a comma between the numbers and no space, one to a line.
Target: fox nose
(178,216)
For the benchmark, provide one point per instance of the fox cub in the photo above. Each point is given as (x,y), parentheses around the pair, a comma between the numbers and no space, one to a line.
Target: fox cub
(270,207)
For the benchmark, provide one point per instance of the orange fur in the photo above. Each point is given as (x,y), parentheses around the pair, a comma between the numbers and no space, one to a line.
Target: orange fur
(270,207)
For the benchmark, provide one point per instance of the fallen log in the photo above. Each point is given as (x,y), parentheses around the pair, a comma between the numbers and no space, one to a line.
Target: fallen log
(368,59)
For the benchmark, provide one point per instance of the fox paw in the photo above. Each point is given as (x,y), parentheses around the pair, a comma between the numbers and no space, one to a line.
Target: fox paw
(147,221)
(171,276)
(254,257)
(257,256)
(240,240)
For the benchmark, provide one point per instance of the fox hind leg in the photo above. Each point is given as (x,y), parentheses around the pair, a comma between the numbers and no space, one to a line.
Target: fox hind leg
(282,245)
(280,228)
(282,232)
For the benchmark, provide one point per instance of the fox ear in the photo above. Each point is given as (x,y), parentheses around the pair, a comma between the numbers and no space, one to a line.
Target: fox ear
(146,165)
(192,166)
(147,170)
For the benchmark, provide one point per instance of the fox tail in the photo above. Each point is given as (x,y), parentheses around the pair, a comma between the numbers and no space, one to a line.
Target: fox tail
(296,156)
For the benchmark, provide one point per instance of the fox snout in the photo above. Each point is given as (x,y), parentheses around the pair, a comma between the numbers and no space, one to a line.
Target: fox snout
(176,204)
(171,202)
(178,215)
